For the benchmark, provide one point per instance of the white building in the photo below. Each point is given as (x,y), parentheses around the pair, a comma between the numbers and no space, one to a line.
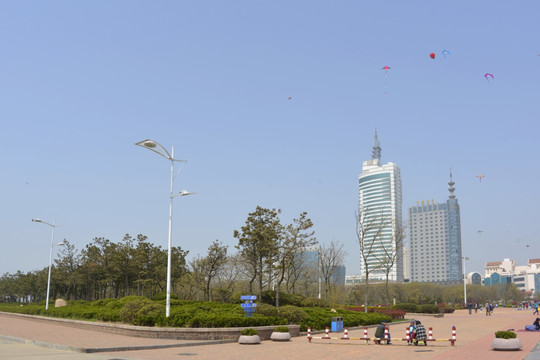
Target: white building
(525,277)
(380,215)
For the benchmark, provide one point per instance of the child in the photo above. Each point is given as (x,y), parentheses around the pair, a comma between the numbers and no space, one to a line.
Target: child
(412,329)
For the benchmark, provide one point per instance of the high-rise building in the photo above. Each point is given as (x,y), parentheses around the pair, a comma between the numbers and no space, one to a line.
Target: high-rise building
(435,240)
(379,217)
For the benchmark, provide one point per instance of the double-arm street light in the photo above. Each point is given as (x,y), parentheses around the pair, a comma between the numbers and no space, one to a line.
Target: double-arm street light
(50,257)
(159,149)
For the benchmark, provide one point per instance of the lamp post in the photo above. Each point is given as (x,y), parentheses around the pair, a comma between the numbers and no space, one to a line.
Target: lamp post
(159,149)
(50,258)
(464,258)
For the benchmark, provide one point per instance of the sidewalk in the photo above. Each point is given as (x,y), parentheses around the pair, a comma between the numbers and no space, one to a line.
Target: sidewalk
(474,335)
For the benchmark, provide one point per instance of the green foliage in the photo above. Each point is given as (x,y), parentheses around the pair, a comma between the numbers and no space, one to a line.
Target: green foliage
(281,329)
(319,318)
(206,320)
(269,297)
(120,303)
(407,307)
(249,332)
(505,335)
(103,302)
(129,312)
(266,310)
(235,298)
(315,302)
(293,314)
(395,314)
(163,296)
(428,309)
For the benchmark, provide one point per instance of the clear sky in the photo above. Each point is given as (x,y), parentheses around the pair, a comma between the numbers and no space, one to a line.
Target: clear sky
(83,81)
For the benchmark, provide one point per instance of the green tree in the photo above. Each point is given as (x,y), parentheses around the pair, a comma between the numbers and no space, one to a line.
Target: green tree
(204,270)
(258,243)
(67,271)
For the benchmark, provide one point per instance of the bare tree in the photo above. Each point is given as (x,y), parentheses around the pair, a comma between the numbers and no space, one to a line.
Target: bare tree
(391,254)
(369,230)
(330,258)
(296,236)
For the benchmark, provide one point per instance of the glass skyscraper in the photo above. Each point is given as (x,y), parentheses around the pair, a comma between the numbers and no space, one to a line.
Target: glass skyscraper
(380,217)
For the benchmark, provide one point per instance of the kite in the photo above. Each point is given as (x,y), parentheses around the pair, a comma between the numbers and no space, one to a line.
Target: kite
(432,55)
(386,68)
(290,98)
(480,232)
(446,52)
(488,75)
(480,177)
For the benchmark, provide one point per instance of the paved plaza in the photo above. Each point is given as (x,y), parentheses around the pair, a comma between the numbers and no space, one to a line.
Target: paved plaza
(26,338)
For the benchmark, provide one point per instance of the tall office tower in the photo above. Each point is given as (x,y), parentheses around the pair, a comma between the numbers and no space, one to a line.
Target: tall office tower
(435,241)
(380,215)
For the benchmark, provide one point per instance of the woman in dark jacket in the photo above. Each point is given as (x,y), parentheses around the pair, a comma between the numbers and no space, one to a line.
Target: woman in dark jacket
(420,333)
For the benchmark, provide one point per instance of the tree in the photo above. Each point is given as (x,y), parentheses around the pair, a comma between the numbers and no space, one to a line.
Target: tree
(67,270)
(369,231)
(330,258)
(206,269)
(297,237)
(258,243)
(391,254)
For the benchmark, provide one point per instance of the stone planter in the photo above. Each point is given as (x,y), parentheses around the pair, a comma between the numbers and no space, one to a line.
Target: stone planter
(249,339)
(506,344)
(280,336)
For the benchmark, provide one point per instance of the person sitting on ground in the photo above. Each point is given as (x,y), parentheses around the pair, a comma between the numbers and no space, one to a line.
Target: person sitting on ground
(420,333)
(380,332)
(537,323)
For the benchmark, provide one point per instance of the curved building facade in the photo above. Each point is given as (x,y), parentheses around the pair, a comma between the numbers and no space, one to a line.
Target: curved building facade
(380,215)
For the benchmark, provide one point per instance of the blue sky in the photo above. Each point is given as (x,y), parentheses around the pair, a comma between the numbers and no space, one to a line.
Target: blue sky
(82,81)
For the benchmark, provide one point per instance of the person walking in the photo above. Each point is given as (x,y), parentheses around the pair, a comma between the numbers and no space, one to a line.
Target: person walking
(535,309)
(488,308)
(470,307)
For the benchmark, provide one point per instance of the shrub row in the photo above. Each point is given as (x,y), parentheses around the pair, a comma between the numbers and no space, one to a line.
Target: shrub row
(413,308)
(269,298)
(142,311)
(395,314)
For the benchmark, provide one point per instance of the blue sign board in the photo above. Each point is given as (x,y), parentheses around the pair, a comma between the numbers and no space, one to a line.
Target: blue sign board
(249,306)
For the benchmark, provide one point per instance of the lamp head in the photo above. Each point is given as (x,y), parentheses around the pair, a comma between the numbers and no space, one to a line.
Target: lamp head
(37,220)
(185,193)
(149,144)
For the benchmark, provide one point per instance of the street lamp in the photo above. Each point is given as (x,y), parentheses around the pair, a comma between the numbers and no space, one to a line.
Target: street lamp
(50,258)
(159,149)
(464,258)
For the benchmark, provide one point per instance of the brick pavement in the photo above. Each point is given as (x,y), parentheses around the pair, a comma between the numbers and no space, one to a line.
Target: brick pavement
(474,335)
